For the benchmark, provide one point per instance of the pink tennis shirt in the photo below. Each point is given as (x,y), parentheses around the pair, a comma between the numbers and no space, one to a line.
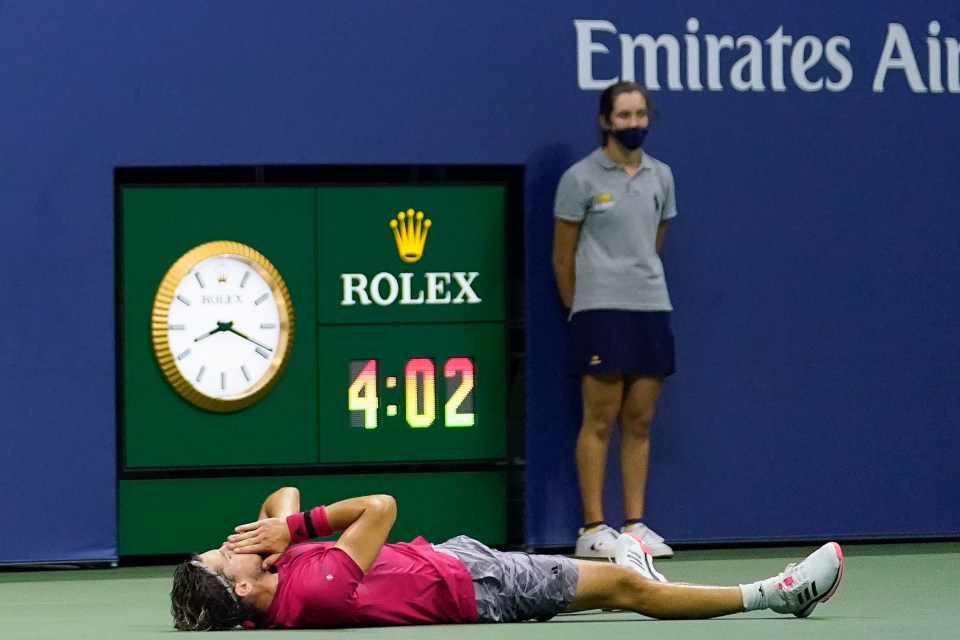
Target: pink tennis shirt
(320,586)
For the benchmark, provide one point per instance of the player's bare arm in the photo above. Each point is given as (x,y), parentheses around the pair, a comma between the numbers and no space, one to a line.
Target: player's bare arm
(281,503)
(365,521)
(269,535)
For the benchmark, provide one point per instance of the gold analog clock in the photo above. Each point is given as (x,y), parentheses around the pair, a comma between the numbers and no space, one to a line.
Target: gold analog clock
(222,326)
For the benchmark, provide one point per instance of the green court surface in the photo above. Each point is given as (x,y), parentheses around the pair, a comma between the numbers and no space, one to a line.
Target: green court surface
(897,591)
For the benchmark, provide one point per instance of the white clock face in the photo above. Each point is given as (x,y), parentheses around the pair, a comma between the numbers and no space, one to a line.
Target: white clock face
(224,327)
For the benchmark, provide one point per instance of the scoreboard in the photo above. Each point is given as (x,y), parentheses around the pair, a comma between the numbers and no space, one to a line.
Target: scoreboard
(399,357)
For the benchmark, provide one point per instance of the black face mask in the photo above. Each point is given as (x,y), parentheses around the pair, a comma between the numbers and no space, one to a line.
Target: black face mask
(631,138)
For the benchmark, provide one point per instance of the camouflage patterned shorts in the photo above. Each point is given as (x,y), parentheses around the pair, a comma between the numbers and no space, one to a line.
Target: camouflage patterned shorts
(511,586)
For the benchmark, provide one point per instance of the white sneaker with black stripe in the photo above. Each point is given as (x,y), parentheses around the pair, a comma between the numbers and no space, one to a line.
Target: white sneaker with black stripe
(803,586)
(631,551)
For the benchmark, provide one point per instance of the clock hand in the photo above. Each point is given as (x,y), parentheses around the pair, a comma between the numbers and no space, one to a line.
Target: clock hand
(221,326)
(245,337)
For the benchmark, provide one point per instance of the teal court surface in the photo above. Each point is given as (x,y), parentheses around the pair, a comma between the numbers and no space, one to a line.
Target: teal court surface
(902,591)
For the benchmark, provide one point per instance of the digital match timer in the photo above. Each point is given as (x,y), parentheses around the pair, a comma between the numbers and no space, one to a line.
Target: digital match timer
(420,396)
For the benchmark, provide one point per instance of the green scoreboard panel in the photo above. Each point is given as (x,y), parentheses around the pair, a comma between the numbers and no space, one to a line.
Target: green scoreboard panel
(403,350)
(411,346)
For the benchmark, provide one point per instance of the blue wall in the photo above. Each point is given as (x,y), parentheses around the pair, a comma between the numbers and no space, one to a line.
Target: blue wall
(813,267)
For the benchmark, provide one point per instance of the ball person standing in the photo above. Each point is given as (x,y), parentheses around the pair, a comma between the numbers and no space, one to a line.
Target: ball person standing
(611,214)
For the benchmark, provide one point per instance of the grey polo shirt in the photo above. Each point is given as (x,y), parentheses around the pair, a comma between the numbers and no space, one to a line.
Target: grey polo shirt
(617,266)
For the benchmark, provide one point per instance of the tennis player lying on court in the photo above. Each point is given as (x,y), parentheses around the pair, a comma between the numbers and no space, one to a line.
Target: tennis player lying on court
(267,575)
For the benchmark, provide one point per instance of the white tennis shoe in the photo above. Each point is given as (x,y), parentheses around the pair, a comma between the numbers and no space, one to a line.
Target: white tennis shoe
(630,551)
(653,540)
(803,586)
(597,542)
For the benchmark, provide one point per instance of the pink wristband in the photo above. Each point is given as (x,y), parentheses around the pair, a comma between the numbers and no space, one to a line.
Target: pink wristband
(307,525)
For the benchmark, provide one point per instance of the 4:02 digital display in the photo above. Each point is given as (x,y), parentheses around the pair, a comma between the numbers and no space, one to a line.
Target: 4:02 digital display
(420,400)
(412,392)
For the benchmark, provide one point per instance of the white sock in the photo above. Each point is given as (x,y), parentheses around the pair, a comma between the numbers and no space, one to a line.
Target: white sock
(757,595)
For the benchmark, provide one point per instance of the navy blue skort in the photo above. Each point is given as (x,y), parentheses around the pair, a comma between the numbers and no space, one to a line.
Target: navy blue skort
(616,341)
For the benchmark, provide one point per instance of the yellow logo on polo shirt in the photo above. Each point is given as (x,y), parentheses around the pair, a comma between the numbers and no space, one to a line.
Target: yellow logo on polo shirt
(594,361)
(602,202)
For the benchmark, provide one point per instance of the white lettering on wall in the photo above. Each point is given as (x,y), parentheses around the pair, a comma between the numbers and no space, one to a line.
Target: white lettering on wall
(586,47)
(898,54)
(746,62)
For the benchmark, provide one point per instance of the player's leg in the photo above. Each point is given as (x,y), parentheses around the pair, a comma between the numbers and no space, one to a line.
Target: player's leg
(602,395)
(611,586)
(797,590)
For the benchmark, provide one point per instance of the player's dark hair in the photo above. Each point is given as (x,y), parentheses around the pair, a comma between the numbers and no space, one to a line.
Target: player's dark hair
(203,600)
(609,97)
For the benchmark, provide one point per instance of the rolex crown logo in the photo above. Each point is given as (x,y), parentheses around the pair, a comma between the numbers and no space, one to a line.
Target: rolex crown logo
(410,233)
(221,273)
